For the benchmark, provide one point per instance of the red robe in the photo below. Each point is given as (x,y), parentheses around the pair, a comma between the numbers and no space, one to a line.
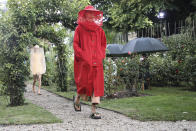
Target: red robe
(89,52)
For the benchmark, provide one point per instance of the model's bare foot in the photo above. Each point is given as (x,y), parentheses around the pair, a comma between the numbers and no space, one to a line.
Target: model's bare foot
(77,99)
(39,93)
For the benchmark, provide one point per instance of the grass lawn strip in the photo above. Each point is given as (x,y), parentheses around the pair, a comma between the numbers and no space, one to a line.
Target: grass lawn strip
(26,114)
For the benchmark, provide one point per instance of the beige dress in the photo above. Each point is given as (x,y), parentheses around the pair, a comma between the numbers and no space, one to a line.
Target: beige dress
(37,61)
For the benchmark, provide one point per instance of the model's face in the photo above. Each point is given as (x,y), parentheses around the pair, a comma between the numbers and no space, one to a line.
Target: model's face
(89,16)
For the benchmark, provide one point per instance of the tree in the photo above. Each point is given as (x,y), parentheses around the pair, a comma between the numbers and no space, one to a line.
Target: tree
(54,11)
(129,15)
(13,56)
(179,9)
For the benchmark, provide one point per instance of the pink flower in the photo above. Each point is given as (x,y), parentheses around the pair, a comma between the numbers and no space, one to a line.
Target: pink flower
(129,52)
(123,61)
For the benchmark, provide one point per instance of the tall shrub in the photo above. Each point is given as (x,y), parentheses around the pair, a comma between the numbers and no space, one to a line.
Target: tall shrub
(128,70)
(14,57)
(62,80)
(110,76)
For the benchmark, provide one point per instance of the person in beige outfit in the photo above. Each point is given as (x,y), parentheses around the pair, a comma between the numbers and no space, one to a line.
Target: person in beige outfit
(37,65)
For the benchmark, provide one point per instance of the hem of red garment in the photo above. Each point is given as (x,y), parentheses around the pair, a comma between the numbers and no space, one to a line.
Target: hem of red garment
(90,95)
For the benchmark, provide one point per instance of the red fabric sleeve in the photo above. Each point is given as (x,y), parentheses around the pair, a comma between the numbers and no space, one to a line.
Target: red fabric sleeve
(103,43)
(76,44)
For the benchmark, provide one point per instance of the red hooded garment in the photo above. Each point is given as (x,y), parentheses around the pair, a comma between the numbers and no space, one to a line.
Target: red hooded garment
(89,51)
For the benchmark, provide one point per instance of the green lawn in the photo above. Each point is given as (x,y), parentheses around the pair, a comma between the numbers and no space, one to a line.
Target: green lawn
(52,89)
(168,104)
(26,114)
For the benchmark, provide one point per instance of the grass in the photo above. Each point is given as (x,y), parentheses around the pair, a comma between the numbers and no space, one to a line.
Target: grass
(64,94)
(26,114)
(162,104)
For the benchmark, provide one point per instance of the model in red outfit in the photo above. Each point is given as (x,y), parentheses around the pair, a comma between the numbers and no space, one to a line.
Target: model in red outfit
(89,51)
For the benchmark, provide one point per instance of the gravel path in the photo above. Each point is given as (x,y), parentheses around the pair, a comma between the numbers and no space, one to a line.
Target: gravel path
(80,121)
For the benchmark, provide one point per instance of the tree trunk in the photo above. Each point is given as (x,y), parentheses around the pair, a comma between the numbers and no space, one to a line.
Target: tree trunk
(62,68)
(125,37)
(16,96)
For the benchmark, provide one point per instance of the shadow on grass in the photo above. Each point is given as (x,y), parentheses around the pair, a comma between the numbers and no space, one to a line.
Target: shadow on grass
(25,104)
(189,89)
